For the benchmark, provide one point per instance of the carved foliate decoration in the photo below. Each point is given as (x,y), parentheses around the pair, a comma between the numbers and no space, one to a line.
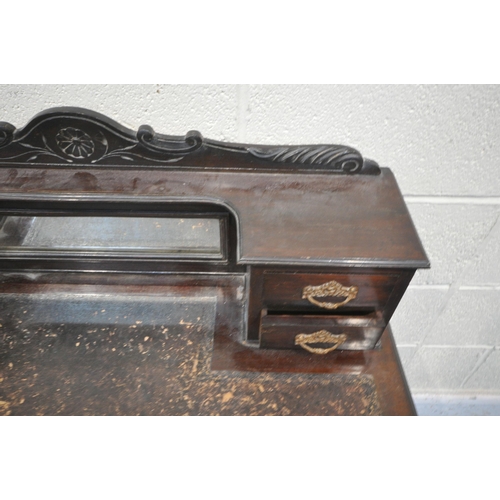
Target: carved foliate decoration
(337,157)
(73,135)
(79,136)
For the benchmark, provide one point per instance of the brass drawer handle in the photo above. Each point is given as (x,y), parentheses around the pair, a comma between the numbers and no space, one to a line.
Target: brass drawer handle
(324,337)
(330,289)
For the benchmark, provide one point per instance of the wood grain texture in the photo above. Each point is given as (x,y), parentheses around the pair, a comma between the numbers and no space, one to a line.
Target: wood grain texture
(291,217)
(353,221)
(278,331)
(70,135)
(285,289)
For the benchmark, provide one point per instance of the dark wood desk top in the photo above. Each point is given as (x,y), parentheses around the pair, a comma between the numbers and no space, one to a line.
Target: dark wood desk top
(133,383)
(296,219)
(62,357)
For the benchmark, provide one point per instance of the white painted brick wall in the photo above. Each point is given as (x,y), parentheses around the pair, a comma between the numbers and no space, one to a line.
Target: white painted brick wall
(442,143)
(452,235)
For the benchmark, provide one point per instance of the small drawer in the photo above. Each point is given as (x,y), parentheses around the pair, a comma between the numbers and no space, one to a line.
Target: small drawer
(282,331)
(320,291)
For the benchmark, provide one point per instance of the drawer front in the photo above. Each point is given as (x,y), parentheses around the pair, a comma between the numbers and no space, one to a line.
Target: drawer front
(282,331)
(320,291)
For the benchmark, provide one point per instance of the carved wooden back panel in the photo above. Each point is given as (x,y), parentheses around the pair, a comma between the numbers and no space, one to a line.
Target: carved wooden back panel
(79,136)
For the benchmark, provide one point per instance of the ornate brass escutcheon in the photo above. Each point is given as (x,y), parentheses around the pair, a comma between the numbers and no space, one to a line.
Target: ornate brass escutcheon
(330,289)
(323,337)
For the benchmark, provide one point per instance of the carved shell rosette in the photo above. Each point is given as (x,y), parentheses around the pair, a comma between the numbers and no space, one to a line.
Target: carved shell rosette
(75,143)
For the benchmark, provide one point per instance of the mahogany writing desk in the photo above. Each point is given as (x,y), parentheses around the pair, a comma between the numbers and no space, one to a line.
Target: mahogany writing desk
(151,274)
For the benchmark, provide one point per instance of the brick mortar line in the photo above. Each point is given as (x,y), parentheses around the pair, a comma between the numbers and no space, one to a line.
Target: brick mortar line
(451,346)
(445,288)
(489,288)
(454,287)
(442,288)
(460,395)
(452,200)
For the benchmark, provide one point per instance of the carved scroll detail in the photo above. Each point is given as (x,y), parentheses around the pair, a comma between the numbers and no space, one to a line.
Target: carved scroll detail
(80,136)
(192,141)
(339,157)
(6,133)
(74,135)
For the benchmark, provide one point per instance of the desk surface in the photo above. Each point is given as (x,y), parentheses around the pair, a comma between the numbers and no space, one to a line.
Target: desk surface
(67,353)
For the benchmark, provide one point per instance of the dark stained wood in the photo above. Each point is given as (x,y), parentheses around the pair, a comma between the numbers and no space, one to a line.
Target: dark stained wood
(397,293)
(353,221)
(290,217)
(77,136)
(381,363)
(278,331)
(255,281)
(187,366)
(285,289)
(279,291)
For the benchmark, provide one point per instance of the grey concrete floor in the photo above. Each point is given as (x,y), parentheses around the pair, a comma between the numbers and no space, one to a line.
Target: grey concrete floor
(442,405)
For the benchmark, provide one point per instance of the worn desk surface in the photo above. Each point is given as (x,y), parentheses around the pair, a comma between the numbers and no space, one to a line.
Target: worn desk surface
(67,354)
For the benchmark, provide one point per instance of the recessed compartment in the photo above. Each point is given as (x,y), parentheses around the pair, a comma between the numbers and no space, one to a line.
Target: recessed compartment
(280,330)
